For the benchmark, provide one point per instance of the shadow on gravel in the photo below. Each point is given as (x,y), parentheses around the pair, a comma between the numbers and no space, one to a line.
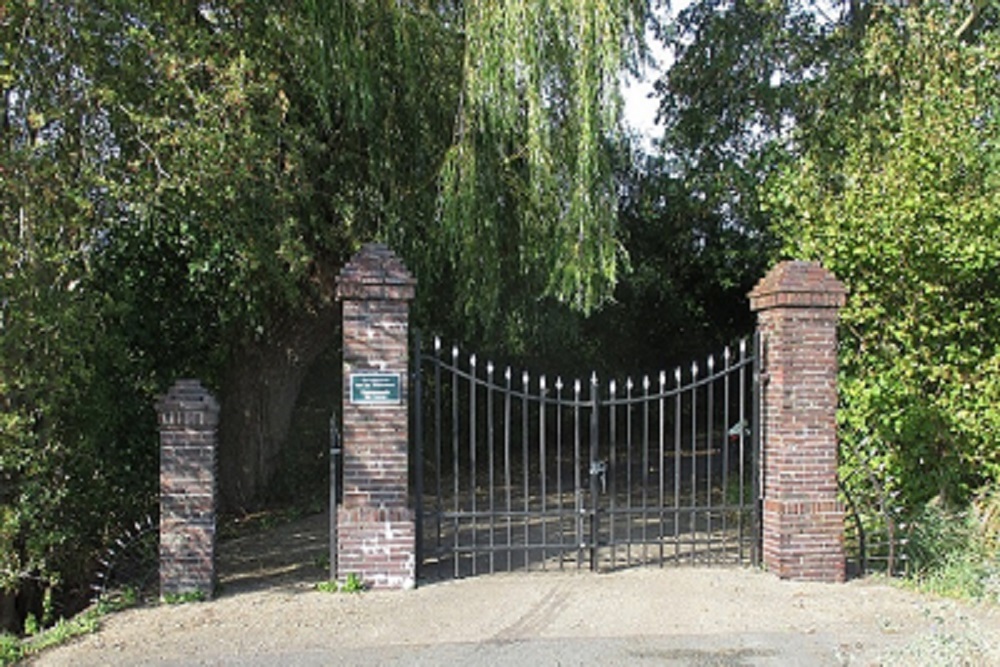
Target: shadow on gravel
(290,555)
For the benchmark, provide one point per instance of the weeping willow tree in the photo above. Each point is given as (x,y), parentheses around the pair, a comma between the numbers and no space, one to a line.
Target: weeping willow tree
(525,202)
(208,167)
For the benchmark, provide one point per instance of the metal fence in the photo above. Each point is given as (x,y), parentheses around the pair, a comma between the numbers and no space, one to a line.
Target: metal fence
(520,472)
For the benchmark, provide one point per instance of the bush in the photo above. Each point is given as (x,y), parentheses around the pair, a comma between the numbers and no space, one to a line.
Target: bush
(954,552)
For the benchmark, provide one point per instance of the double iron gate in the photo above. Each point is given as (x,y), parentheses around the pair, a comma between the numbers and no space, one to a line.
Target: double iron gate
(514,472)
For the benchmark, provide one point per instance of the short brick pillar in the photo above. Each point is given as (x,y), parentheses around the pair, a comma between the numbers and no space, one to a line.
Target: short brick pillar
(377,537)
(189,418)
(797,306)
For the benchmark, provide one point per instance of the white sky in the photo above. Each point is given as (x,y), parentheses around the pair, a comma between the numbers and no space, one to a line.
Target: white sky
(640,108)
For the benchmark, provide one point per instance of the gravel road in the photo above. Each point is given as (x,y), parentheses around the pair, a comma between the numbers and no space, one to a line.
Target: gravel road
(642,616)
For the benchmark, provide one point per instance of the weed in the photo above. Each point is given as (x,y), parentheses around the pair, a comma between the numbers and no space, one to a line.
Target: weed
(13,649)
(352,584)
(117,600)
(185,597)
(329,586)
(955,553)
(10,649)
(31,627)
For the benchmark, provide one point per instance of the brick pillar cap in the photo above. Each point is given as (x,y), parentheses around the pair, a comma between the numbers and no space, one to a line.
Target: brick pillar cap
(187,396)
(375,272)
(798,284)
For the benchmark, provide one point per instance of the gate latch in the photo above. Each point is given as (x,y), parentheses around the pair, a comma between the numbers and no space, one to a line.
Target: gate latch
(600,468)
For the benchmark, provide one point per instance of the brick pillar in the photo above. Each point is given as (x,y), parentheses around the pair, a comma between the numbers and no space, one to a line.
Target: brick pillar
(797,305)
(377,538)
(189,418)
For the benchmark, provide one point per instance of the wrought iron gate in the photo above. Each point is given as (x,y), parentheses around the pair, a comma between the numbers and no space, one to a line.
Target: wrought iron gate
(515,472)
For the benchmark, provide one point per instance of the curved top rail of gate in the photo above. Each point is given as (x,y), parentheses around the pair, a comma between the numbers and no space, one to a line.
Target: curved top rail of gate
(745,359)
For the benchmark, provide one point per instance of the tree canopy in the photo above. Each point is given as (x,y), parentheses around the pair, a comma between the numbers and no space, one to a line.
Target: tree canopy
(182,181)
(899,198)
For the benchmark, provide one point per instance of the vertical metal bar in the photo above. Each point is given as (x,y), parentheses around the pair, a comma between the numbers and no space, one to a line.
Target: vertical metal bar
(525,460)
(694,462)
(506,464)
(418,452)
(709,416)
(741,528)
(438,444)
(662,459)
(577,483)
(628,474)
(541,459)
(491,442)
(455,467)
(678,417)
(594,463)
(559,467)
(473,487)
(645,469)
(613,469)
(727,363)
(758,423)
(334,492)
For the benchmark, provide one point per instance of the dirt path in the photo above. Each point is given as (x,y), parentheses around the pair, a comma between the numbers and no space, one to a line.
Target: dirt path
(270,613)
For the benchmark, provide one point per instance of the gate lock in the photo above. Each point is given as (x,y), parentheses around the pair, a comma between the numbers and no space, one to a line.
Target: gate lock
(600,468)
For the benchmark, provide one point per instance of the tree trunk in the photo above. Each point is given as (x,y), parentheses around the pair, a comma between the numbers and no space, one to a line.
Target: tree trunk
(259,393)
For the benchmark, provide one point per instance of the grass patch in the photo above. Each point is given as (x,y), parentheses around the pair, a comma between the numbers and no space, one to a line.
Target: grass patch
(956,552)
(185,597)
(14,649)
(352,584)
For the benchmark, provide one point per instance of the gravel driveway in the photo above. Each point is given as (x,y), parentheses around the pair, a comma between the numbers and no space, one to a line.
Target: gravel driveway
(642,616)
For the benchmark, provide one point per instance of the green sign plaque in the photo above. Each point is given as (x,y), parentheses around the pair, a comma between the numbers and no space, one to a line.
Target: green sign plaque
(376,388)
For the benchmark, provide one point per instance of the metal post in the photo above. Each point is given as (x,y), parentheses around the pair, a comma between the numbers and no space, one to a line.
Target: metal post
(418,454)
(334,492)
(596,469)
(758,379)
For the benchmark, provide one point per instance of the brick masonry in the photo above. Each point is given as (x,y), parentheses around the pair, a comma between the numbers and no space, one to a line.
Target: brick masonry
(376,529)
(797,306)
(188,422)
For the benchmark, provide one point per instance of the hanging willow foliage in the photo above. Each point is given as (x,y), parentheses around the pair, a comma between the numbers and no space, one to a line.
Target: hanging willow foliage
(526,190)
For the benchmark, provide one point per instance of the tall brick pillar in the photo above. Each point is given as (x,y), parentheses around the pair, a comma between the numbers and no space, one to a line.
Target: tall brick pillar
(797,306)
(189,419)
(377,539)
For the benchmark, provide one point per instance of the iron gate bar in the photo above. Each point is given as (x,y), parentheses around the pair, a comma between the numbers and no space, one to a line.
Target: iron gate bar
(742,438)
(577,498)
(472,447)
(559,482)
(541,458)
(613,455)
(645,467)
(418,456)
(677,468)
(663,382)
(335,494)
(758,425)
(710,390)
(491,439)
(524,462)
(725,441)
(694,446)
(595,470)
(438,437)
(507,463)
(454,451)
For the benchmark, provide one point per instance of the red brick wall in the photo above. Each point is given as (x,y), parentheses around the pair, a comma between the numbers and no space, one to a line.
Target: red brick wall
(376,540)
(188,418)
(803,521)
